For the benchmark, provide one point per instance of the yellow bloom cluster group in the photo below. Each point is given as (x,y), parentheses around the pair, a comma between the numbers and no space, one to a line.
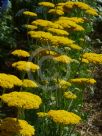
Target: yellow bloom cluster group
(93,58)
(83,80)
(12,126)
(25,66)
(24,100)
(9,81)
(64,117)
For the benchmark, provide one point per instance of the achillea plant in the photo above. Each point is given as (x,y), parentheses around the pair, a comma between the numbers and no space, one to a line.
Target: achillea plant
(54,65)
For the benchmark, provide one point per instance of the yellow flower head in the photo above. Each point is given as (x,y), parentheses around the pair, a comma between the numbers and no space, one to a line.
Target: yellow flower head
(63,84)
(28,13)
(46,23)
(69,24)
(56,12)
(91,11)
(29,83)
(23,100)
(30,27)
(69,95)
(83,80)
(20,53)
(63,59)
(58,31)
(64,117)
(13,126)
(93,57)
(25,66)
(85,61)
(46,4)
(42,114)
(9,81)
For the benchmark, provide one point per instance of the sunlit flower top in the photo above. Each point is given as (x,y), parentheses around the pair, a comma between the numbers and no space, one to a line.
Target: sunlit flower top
(23,100)
(46,23)
(28,13)
(42,114)
(74,19)
(63,83)
(83,80)
(30,27)
(64,117)
(48,37)
(84,60)
(29,83)
(58,31)
(46,4)
(81,5)
(13,126)
(69,24)
(69,95)
(9,81)
(25,66)
(56,12)
(63,59)
(20,53)
(93,57)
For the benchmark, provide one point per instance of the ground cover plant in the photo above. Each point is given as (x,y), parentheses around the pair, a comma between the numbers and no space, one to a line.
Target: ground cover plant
(50,67)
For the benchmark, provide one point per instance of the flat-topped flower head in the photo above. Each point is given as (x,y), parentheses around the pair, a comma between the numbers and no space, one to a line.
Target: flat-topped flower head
(28,13)
(46,4)
(29,83)
(16,127)
(42,114)
(69,95)
(25,66)
(83,80)
(64,117)
(23,100)
(20,53)
(63,59)
(63,83)
(30,27)
(93,57)
(74,19)
(56,12)
(9,81)
(46,23)
(58,31)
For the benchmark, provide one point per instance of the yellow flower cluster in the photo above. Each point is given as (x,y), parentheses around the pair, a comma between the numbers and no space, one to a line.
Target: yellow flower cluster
(42,114)
(84,60)
(81,5)
(58,31)
(83,80)
(48,52)
(63,84)
(56,12)
(69,95)
(30,27)
(20,53)
(64,117)
(46,4)
(93,57)
(74,19)
(54,40)
(9,81)
(12,126)
(28,13)
(63,59)
(23,100)
(46,23)
(25,66)
(29,83)
(69,24)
